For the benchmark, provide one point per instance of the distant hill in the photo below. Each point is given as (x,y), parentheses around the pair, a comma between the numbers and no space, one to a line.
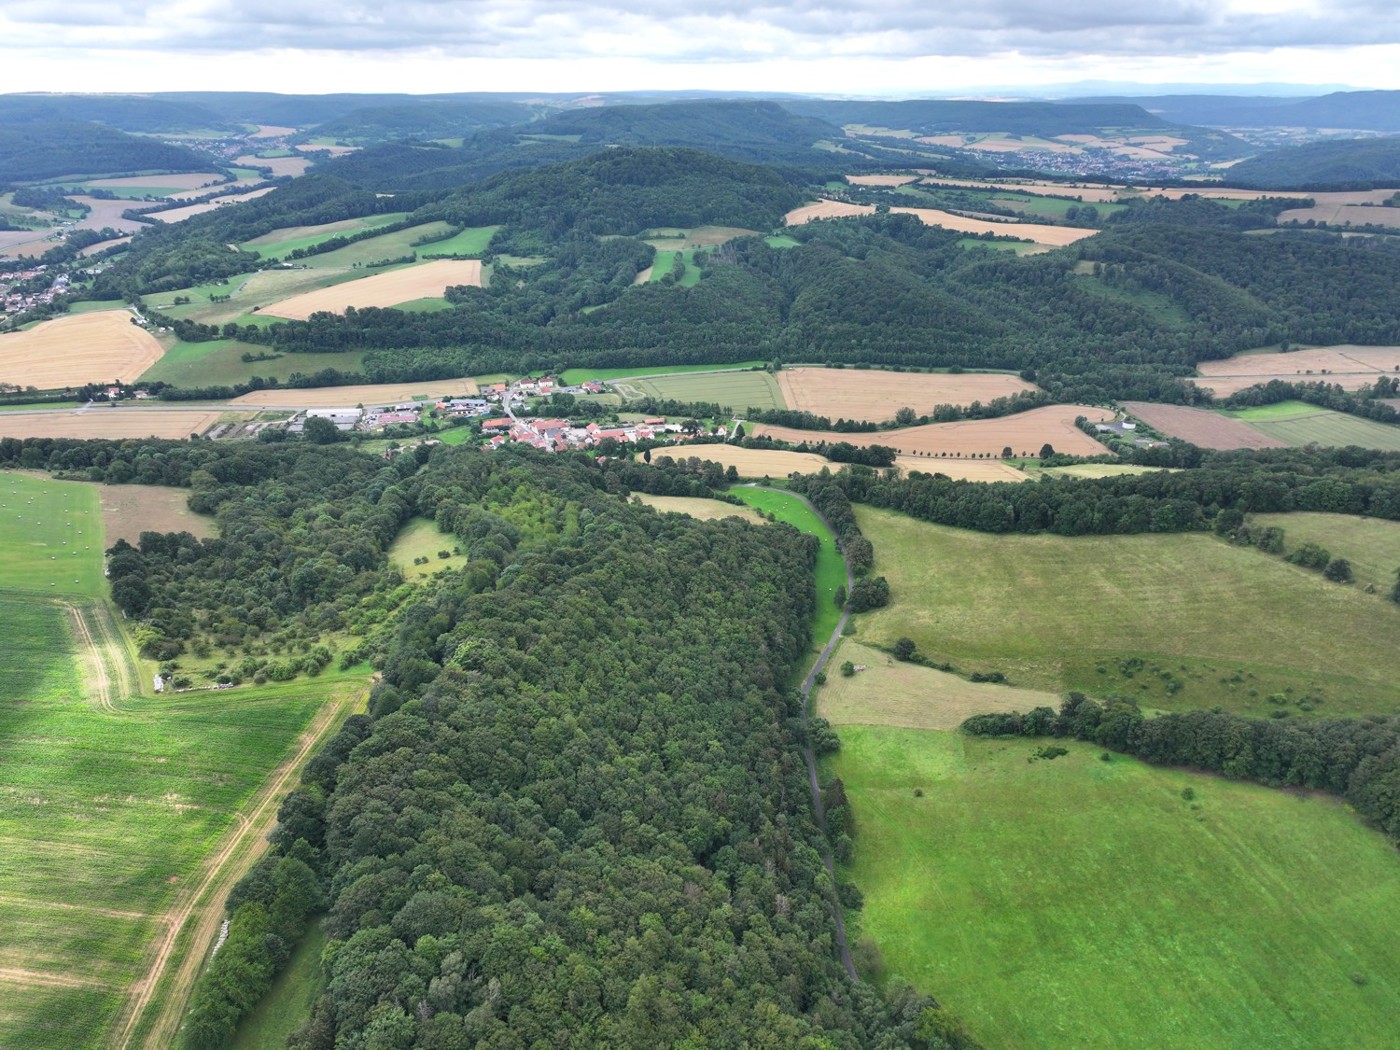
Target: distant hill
(1349,164)
(143,113)
(1351,110)
(50,150)
(421,119)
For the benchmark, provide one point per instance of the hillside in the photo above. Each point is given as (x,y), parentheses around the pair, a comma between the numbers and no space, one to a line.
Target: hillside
(420,119)
(1345,164)
(46,150)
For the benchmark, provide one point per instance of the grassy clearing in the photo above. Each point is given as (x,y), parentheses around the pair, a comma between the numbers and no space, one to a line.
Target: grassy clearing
(1173,621)
(666,261)
(219,362)
(1319,426)
(573,376)
(421,538)
(1370,544)
(1083,903)
(279,242)
(374,249)
(831,567)
(738,390)
(1282,410)
(886,692)
(781,240)
(696,507)
(471,241)
(51,538)
(287,1006)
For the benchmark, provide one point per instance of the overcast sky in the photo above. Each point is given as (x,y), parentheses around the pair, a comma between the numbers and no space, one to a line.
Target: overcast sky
(856,47)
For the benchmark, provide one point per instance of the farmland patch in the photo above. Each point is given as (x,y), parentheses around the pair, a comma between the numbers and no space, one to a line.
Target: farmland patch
(704,509)
(347,396)
(869,394)
(1348,366)
(83,348)
(109,422)
(1201,426)
(739,390)
(129,510)
(749,462)
(425,280)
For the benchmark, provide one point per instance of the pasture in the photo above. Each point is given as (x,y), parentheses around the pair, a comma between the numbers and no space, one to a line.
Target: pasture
(749,462)
(1084,903)
(474,240)
(373,249)
(704,509)
(1348,366)
(109,422)
(290,238)
(830,572)
(421,538)
(82,348)
(1201,426)
(875,396)
(1024,433)
(425,280)
(1174,621)
(219,362)
(1372,545)
(665,265)
(51,538)
(887,692)
(738,389)
(1297,423)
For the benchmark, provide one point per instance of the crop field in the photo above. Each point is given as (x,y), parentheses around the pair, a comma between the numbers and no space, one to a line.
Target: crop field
(607,375)
(1082,903)
(961,469)
(1201,426)
(881,180)
(749,462)
(105,214)
(422,281)
(698,237)
(825,209)
(1056,236)
(51,540)
(129,510)
(1174,621)
(873,395)
(219,362)
(14,243)
(831,567)
(102,246)
(1024,433)
(1096,470)
(372,249)
(277,166)
(1347,366)
(1302,424)
(1372,545)
(886,692)
(347,396)
(739,390)
(704,509)
(175,215)
(279,242)
(125,422)
(156,185)
(84,348)
(421,538)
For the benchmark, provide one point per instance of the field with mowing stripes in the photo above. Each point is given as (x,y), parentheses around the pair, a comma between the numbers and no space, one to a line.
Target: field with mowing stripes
(737,389)
(1297,423)
(1082,903)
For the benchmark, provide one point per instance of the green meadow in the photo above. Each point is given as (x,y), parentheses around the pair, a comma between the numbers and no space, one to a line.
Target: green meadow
(1174,621)
(219,362)
(1080,903)
(573,376)
(1299,423)
(737,389)
(278,243)
(473,240)
(421,538)
(666,260)
(50,537)
(1372,545)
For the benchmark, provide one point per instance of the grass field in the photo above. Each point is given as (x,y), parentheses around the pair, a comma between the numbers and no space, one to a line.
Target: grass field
(421,538)
(1174,621)
(737,389)
(219,362)
(1370,544)
(373,249)
(278,243)
(129,510)
(114,808)
(471,241)
(573,376)
(1295,423)
(886,692)
(831,567)
(287,1006)
(1080,903)
(666,260)
(384,289)
(84,348)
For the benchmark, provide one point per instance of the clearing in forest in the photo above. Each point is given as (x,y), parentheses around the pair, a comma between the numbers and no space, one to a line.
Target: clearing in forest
(1175,621)
(704,509)
(749,462)
(888,692)
(1078,902)
(99,347)
(1372,545)
(1024,433)
(129,510)
(423,281)
(875,396)
(1201,426)
(1348,366)
(279,242)
(421,538)
(109,422)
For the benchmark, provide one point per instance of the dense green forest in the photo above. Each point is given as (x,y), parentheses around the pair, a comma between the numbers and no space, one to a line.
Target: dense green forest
(33,151)
(577,812)
(1347,164)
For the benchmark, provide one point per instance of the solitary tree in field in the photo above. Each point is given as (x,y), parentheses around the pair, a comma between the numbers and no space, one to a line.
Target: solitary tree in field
(1047,450)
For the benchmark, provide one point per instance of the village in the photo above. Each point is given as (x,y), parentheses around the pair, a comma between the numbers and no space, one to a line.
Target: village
(21,291)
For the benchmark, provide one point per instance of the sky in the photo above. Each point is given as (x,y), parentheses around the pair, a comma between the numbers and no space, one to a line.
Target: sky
(874,48)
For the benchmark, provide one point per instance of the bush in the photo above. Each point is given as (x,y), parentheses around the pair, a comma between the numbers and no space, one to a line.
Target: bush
(847,669)
(904,649)
(1338,571)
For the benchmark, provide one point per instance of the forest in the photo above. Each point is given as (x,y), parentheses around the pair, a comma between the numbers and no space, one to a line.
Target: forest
(30,152)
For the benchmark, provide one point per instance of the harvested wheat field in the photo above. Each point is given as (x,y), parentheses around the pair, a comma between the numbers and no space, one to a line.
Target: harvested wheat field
(102,246)
(1348,366)
(424,281)
(182,181)
(881,180)
(82,348)
(191,210)
(875,395)
(345,396)
(279,166)
(1200,427)
(129,510)
(105,215)
(1343,215)
(14,243)
(704,509)
(1055,236)
(108,422)
(825,209)
(963,469)
(1024,433)
(749,462)
(1097,194)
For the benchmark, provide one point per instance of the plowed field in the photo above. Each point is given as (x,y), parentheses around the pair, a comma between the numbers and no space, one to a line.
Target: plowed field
(1200,427)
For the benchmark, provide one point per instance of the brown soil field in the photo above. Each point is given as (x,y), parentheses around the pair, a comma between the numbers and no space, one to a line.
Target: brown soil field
(1350,367)
(107,423)
(346,396)
(1200,427)
(272,131)
(749,462)
(186,181)
(891,693)
(825,210)
(190,210)
(1343,215)
(80,348)
(424,281)
(1055,236)
(704,509)
(964,469)
(881,180)
(107,215)
(875,396)
(102,246)
(129,510)
(293,166)
(1025,432)
(14,243)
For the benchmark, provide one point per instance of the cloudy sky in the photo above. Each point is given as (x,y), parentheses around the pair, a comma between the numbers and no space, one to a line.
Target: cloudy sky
(856,47)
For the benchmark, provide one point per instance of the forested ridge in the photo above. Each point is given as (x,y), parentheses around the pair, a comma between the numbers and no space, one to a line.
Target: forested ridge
(577,812)
(45,150)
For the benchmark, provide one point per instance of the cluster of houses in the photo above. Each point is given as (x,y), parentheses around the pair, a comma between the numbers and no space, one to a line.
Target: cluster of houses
(13,301)
(558,435)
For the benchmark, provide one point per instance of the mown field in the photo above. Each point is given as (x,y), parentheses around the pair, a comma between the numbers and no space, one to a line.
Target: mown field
(1173,621)
(1082,903)
(1370,544)
(219,362)
(739,390)
(278,243)
(98,347)
(607,375)
(1297,423)
(421,538)
(875,395)
(666,260)
(51,538)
